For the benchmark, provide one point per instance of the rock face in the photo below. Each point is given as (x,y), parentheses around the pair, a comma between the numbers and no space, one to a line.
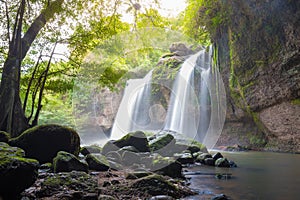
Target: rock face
(43,142)
(258,46)
(16,173)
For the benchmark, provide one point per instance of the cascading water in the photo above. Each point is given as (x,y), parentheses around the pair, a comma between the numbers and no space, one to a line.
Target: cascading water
(197,104)
(194,109)
(181,115)
(133,112)
(140,112)
(203,65)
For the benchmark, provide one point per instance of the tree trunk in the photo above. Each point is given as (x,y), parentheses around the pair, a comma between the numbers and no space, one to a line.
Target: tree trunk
(12,116)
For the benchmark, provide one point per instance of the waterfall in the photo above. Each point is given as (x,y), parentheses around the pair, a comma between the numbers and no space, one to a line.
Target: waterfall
(197,102)
(181,114)
(133,112)
(140,112)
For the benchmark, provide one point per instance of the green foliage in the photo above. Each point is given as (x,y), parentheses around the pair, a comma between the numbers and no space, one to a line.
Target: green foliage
(151,18)
(296,102)
(202,18)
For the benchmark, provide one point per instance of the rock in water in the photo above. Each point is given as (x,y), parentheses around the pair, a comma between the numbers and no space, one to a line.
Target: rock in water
(222,162)
(67,162)
(43,142)
(217,156)
(16,173)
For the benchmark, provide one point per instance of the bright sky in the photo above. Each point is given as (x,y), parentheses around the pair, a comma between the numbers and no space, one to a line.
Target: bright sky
(168,8)
(172,7)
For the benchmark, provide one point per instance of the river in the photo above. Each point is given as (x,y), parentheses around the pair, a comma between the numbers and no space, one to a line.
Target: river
(259,176)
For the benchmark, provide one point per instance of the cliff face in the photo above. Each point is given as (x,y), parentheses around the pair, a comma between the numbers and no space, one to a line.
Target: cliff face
(258,43)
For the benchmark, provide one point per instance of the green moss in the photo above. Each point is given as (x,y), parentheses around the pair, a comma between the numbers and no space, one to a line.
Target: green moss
(11,151)
(4,136)
(161,141)
(53,182)
(6,161)
(256,140)
(136,139)
(201,146)
(296,102)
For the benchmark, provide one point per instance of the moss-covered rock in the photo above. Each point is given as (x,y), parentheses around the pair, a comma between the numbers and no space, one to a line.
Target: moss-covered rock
(90,149)
(136,139)
(184,158)
(67,162)
(43,142)
(16,173)
(129,148)
(64,185)
(167,166)
(4,136)
(114,156)
(209,161)
(130,158)
(217,155)
(196,146)
(109,146)
(11,151)
(158,185)
(46,167)
(97,162)
(202,157)
(222,162)
(137,175)
(161,142)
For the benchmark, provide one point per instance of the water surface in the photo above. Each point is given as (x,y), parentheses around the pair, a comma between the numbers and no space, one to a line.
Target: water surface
(259,175)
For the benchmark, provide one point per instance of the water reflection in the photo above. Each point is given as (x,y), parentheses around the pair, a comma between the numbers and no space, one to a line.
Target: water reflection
(260,175)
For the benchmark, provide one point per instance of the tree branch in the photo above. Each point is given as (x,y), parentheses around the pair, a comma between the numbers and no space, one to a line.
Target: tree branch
(38,24)
(39,106)
(8,22)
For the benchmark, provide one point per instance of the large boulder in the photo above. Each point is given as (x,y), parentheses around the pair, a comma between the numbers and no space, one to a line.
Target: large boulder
(43,142)
(16,172)
(136,139)
(67,162)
